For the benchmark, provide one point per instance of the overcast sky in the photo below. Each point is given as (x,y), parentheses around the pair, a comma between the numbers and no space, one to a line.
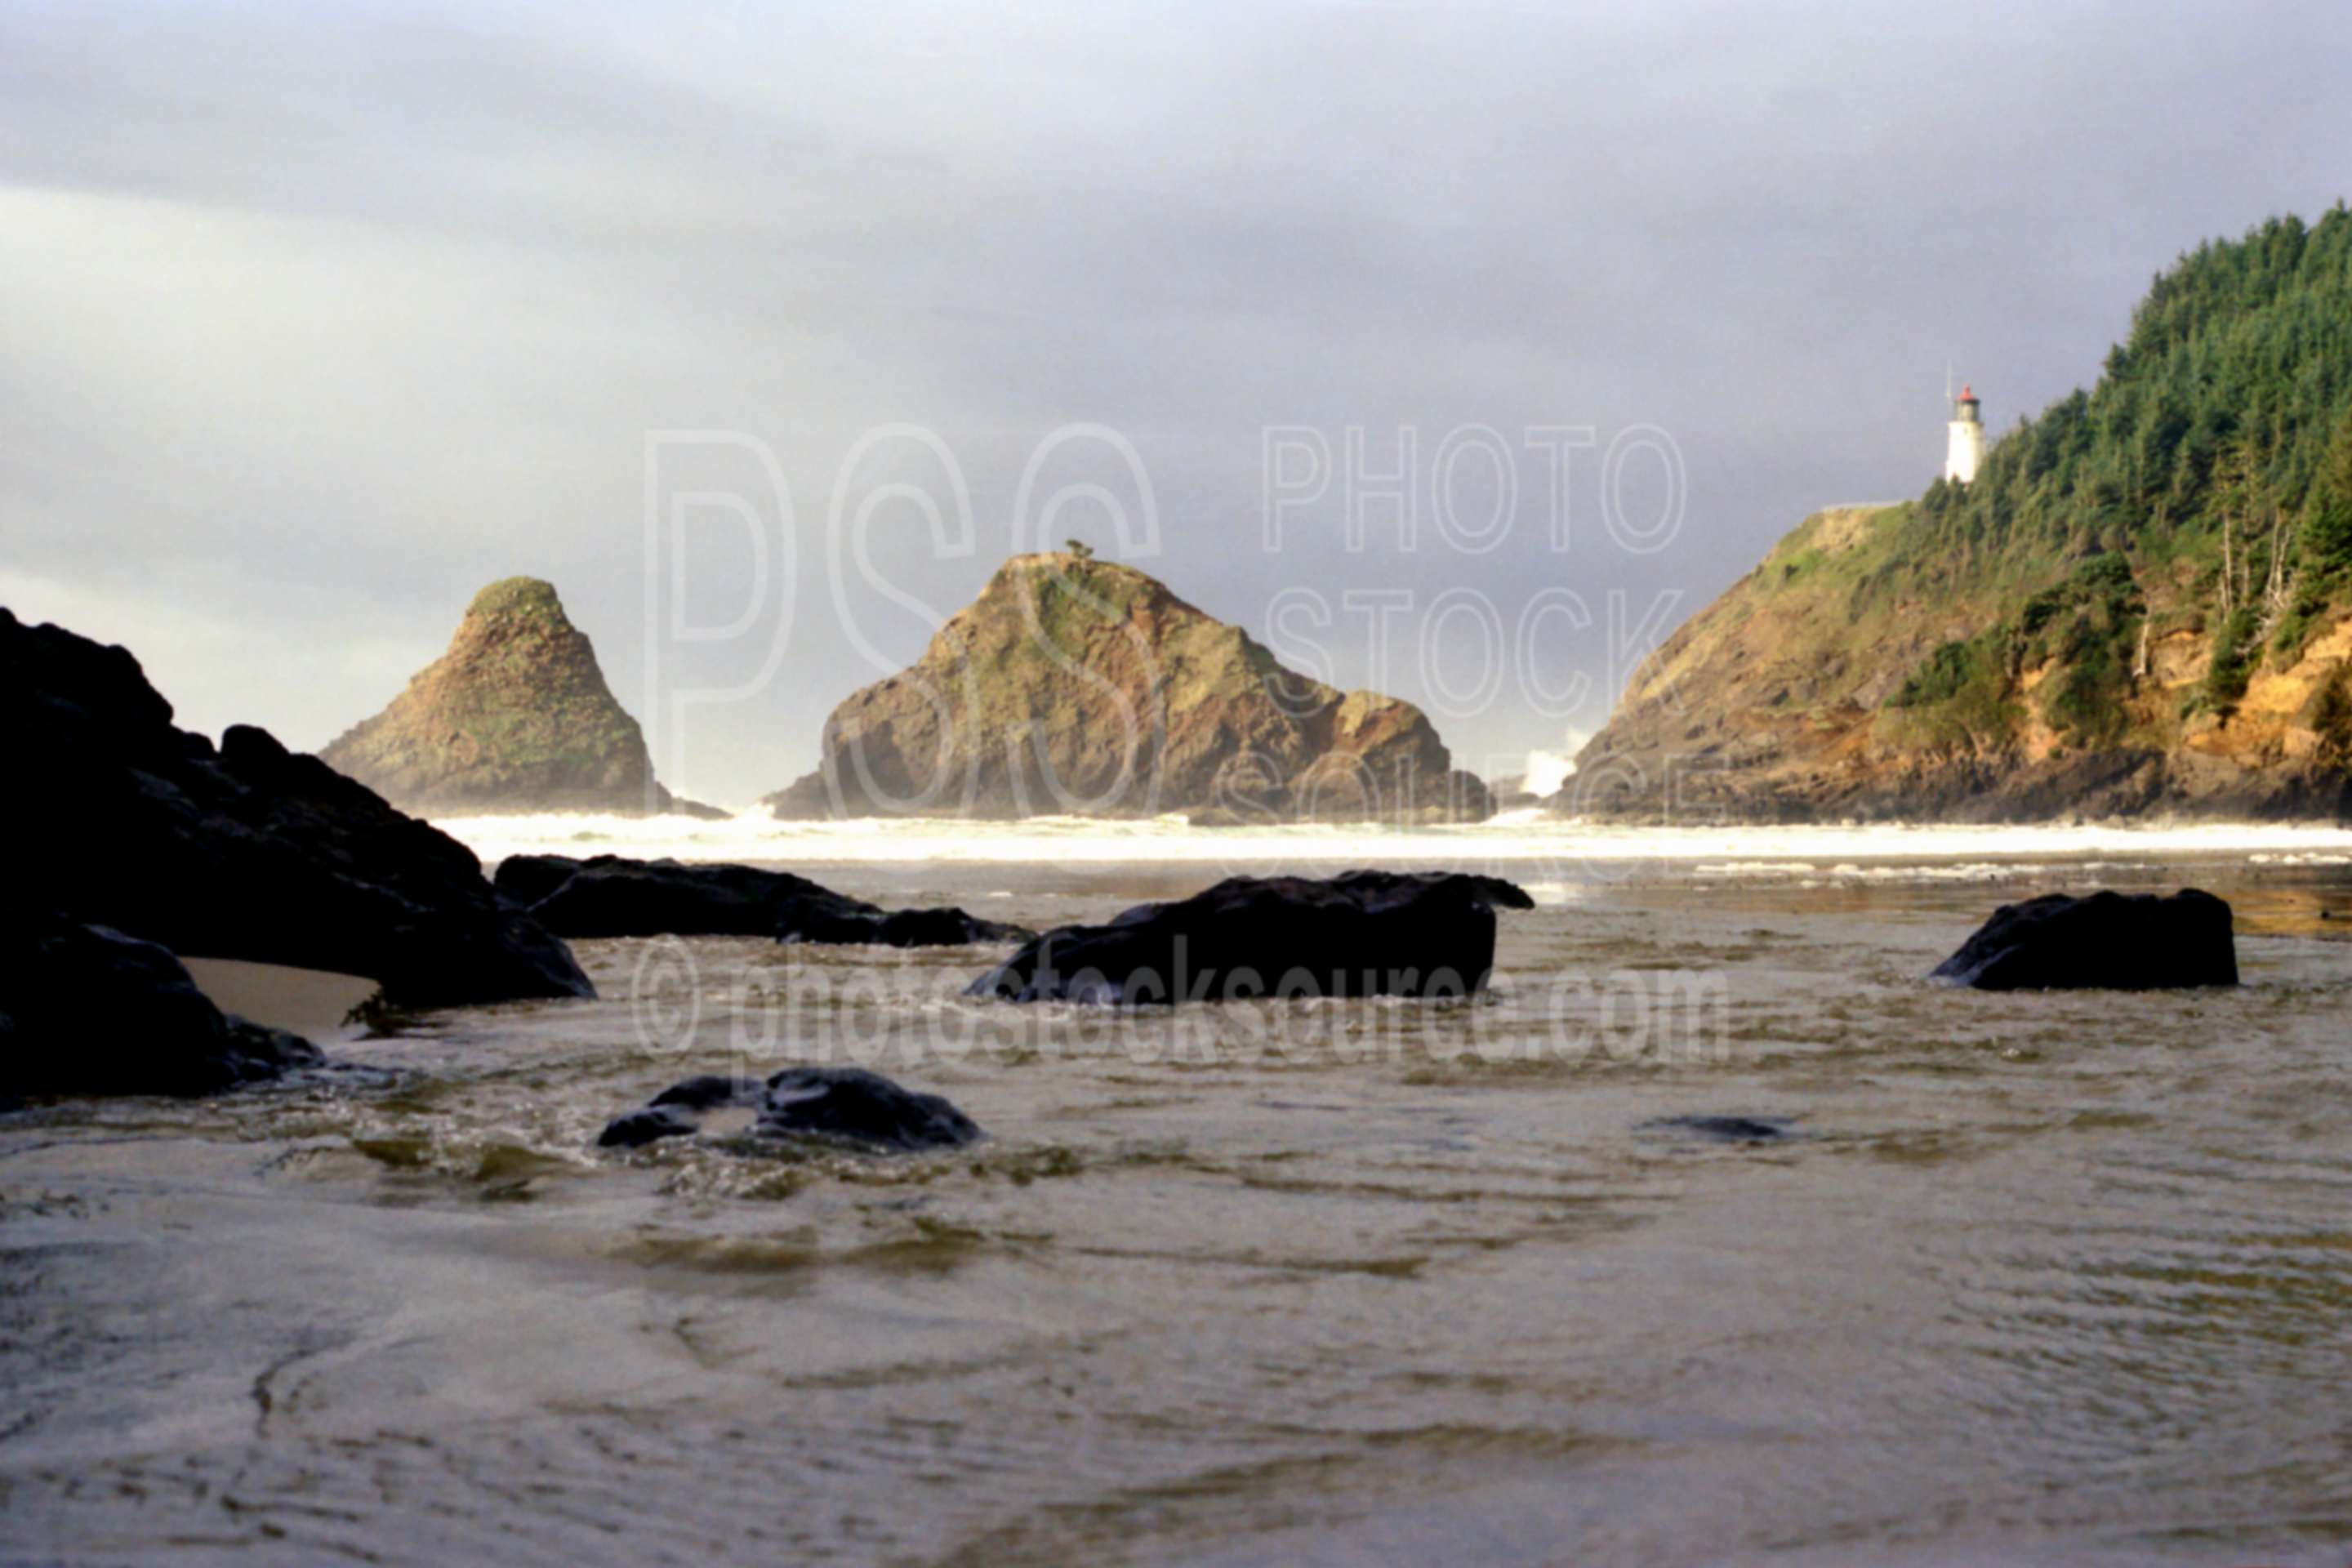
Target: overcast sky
(315,318)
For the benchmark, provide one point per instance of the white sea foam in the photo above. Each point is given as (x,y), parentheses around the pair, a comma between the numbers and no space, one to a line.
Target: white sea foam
(1872,851)
(1546,771)
(1549,894)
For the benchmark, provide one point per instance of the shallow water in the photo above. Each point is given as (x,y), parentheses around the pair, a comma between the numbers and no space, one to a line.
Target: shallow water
(2020,1278)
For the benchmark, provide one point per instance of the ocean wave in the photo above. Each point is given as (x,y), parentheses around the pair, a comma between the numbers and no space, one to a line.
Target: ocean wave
(1560,846)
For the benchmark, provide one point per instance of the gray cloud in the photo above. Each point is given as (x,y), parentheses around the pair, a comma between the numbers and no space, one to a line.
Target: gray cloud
(316,319)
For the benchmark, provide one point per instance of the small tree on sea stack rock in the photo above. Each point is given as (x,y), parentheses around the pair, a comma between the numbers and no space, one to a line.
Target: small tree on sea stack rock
(1078,548)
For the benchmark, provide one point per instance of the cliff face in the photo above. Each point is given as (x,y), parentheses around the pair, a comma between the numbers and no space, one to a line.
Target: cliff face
(514,717)
(1785,701)
(1076,685)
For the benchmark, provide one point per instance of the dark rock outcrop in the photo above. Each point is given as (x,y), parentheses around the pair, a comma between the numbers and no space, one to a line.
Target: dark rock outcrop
(2110,941)
(516,716)
(247,851)
(613,896)
(86,1010)
(1083,686)
(1360,934)
(847,1106)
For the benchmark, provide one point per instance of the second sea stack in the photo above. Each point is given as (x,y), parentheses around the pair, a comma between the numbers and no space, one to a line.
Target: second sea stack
(1084,687)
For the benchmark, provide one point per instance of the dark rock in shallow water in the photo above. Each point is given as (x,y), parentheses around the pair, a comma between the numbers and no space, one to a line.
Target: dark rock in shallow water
(939,926)
(613,896)
(1364,933)
(635,1129)
(1725,1128)
(2110,941)
(249,852)
(522,880)
(85,1010)
(838,1105)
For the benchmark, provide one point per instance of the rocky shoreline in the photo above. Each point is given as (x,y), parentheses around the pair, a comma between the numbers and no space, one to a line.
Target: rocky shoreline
(151,835)
(2139,788)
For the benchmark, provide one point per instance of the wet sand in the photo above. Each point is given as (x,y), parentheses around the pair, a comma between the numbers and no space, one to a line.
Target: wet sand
(313,1003)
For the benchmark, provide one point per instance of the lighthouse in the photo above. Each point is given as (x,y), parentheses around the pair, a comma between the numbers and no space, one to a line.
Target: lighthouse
(1966,447)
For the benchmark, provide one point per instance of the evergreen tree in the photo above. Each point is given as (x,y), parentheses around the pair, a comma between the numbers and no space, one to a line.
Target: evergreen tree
(2328,519)
(2213,458)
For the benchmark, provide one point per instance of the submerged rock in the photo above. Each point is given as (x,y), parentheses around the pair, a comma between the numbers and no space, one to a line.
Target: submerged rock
(2109,940)
(1364,933)
(614,896)
(1721,1129)
(247,851)
(837,1105)
(1076,685)
(86,1010)
(516,716)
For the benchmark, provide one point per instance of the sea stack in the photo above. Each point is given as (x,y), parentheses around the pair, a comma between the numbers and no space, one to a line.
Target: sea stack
(514,717)
(1073,684)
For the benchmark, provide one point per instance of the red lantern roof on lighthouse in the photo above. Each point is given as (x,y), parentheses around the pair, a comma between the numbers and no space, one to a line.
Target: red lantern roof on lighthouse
(1967,395)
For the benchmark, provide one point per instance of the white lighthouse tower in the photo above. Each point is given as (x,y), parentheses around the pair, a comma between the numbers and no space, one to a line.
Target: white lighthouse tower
(1966,447)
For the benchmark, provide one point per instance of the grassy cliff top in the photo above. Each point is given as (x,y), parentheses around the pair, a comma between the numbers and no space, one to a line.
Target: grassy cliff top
(519,596)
